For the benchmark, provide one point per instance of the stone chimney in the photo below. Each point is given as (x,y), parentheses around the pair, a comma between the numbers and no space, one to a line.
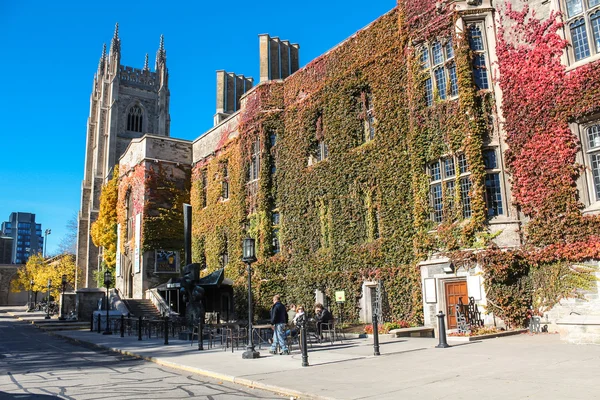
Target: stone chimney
(230,87)
(278,58)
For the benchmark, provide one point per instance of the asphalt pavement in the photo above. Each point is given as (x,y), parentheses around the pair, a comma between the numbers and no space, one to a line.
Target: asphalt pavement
(523,366)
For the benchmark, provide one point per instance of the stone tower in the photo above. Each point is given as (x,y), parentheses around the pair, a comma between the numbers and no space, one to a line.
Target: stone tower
(126,103)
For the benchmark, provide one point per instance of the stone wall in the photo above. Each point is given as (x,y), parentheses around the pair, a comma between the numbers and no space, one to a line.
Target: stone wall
(86,302)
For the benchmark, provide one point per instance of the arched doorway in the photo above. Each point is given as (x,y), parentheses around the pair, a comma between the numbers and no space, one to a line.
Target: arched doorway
(128,280)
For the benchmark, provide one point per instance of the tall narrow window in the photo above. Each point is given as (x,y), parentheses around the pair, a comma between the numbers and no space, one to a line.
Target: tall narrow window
(369,116)
(225,181)
(255,161)
(204,183)
(224,258)
(477,44)
(323,206)
(444,175)
(583,21)
(129,212)
(135,119)
(493,189)
(322,150)
(371,206)
(275,246)
(438,59)
(593,152)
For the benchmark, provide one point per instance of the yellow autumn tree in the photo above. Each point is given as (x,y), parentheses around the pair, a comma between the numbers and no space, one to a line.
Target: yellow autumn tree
(40,271)
(104,230)
(30,271)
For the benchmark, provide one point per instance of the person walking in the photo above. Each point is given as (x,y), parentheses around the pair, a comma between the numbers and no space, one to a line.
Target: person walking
(279,319)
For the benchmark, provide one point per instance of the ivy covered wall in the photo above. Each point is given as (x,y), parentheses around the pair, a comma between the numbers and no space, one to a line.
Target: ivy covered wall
(343,147)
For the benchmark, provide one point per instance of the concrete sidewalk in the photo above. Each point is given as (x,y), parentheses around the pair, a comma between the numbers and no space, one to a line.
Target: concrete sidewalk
(515,367)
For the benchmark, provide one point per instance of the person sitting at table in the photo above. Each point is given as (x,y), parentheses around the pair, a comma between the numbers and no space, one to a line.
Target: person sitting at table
(291,312)
(278,320)
(322,316)
(293,332)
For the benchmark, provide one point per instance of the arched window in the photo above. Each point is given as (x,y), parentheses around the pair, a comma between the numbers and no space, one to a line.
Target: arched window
(135,119)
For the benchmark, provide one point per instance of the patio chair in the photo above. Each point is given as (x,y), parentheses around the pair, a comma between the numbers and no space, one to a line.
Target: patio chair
(233,335)
(329,332)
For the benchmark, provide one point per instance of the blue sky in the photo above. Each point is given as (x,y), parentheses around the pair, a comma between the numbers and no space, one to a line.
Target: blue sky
(50,52)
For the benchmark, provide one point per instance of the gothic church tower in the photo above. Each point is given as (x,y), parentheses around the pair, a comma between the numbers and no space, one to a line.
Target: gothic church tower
(125,104)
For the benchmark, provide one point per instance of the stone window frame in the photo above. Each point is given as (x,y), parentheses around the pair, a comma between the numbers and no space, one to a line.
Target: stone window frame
(254,167)
(438,64)
(225,180)
(275,239)
(588,17)
(368,117)
(452,169)
(481,58)
(494,190)
(590,179)
(204,187)
(135,118)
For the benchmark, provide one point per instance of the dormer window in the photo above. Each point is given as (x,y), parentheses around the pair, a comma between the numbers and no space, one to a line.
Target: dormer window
(135,119)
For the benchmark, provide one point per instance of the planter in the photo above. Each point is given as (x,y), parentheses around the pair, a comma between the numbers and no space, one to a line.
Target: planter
(483,337)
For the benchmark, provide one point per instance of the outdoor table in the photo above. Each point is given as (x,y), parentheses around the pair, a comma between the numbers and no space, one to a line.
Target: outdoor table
(259,331)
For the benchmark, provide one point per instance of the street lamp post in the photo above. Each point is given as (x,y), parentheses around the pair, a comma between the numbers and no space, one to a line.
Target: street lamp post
(107,282)
(30,305)
(48,300)
(62,299)
(249,257)
(46,233)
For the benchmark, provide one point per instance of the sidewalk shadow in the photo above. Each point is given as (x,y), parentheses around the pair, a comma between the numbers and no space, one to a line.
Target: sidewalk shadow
(25,396)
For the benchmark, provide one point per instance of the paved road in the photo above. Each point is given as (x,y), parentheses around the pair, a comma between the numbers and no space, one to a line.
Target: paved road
(35,365)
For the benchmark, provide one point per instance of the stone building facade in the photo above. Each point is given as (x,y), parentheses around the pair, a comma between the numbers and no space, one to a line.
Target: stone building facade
(125,104)
(371,167)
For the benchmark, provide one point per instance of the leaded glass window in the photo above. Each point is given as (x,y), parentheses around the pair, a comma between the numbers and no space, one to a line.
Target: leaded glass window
(442,190)
(477,44)
(438,59)
(583,21)
(593,150)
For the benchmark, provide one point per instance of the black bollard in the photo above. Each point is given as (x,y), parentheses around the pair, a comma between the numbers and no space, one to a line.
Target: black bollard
(442,331)
(304,342)
(122,325)
(99,322)
(140,328)
(200,338)
(166,329)
(375,336)
(92,323)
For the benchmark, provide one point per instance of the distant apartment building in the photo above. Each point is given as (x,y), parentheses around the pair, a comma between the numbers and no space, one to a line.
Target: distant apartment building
(6,249)
(26,236)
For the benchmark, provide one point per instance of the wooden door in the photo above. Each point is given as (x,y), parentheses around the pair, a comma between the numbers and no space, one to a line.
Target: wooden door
(454,292)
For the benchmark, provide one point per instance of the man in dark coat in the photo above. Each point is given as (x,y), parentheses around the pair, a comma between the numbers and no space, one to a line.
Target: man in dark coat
(279,319)
(323,317)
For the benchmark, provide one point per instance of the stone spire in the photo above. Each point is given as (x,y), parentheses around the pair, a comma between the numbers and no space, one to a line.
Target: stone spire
(146,68)
(115,44)
(161,54)
(102,58)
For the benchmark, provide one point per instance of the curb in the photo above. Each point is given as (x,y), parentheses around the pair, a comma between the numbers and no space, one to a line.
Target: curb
(215,375)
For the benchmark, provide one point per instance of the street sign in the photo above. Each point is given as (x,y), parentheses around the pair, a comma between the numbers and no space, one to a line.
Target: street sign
(340,296)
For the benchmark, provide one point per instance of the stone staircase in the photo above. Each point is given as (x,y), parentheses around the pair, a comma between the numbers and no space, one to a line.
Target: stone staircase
(577,320)
(142,308)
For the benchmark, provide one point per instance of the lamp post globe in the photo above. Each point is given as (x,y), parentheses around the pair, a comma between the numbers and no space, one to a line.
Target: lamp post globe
(48,300)
(107,283)
(249,256)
